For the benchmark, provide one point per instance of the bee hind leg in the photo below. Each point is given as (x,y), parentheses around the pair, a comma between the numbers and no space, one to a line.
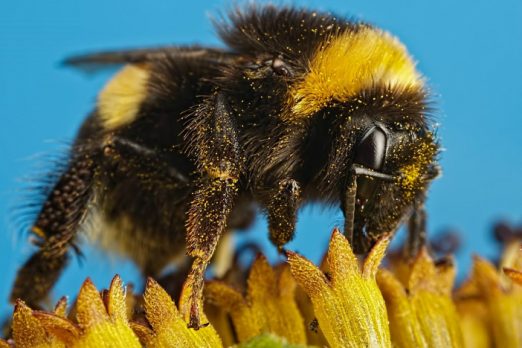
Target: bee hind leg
(41,271)
(55,227)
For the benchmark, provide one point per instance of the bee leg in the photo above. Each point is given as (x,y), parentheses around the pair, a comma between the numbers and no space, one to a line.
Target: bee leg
(55,227)
(217,153)
(117,148)
(282,212)
(348,208)
(416,232)
(354,230)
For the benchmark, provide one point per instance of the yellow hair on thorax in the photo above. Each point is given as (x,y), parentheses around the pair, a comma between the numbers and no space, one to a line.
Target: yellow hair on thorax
(349,63)
(121,98)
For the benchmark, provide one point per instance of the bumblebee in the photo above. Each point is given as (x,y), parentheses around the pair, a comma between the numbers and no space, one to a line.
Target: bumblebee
(299,107)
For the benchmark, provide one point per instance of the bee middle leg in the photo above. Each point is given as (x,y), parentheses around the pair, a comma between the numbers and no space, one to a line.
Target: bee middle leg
(217,153)
(282,212)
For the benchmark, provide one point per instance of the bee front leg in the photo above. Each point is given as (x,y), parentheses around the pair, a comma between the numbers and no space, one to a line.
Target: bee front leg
(282,212)
(217,153)
(353,230)
(55,228)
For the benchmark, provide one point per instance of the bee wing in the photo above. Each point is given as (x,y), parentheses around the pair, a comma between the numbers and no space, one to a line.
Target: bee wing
(108,59)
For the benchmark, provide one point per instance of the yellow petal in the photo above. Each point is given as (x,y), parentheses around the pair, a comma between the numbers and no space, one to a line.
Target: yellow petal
(374,259)
(349,308)
(269,306)
(269,341)
(60,327)
(90,309)
(262,281)
(342,262)
(474,322)
(61,307)
(308,276)
(27,330)
(170,330)
(421,314)
(98,325)
(246,322)
(159,307)
(423,273)
(225,296)
(438,319)
(404,328)
(504,305)
(145,334)
(273,303)
(314,333)
(220,320)
(114,331)
(116,302)
(109,335)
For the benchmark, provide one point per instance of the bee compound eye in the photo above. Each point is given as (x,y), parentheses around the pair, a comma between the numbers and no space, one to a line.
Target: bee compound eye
(280,67)
(371,150)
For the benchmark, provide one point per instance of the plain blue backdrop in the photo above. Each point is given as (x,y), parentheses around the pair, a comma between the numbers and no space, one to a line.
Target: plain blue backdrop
(470,51)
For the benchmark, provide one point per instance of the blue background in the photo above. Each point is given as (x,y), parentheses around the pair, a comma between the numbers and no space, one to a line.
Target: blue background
(471,52)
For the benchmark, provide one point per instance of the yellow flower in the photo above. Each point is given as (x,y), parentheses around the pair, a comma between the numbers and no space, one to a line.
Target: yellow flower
(268,307)
(420,308)
(29,332)
(502,303)
(269,341)
(100,322)
(314,333)
(348,302)
(473,317)
(168,328)
(348,305)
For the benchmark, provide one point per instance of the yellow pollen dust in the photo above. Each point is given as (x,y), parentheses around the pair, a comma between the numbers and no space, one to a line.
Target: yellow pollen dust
(349,63)
(120,100)
(412,174)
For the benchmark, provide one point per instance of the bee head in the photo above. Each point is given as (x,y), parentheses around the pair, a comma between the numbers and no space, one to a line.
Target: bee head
(363,84)
(391,169)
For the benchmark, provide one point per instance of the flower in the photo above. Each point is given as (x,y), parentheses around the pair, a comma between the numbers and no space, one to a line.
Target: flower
(100,322)
(168,328)
(420,307)
(348,304)
(268,307)
(491,304)
(29,332)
